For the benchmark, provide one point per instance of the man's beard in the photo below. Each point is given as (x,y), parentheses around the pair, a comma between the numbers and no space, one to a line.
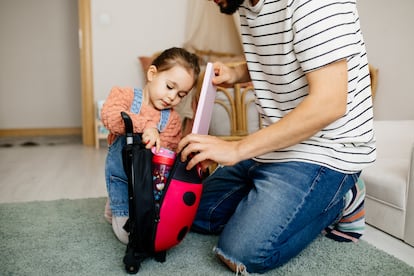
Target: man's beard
(232,6)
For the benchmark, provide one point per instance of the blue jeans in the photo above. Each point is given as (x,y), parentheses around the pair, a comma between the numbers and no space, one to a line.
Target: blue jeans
(267,213)
(116,179)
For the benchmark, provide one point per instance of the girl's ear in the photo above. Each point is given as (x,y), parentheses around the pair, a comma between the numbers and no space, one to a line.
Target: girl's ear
(151,72)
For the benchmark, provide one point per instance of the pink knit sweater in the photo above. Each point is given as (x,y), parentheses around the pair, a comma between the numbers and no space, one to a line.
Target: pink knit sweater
(120,99)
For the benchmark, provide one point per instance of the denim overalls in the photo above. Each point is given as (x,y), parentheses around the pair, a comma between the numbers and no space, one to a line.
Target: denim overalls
(116,179)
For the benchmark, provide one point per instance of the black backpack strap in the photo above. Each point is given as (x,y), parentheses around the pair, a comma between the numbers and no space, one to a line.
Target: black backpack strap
(129,130)
(141,222)
(127,162)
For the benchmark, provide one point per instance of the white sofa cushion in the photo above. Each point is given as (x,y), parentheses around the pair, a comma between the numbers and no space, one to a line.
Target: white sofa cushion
(386,181)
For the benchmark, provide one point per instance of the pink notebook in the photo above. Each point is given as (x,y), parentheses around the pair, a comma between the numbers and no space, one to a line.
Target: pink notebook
(206,102)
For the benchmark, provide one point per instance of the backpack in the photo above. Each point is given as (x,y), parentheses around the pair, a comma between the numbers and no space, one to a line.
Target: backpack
(156,226)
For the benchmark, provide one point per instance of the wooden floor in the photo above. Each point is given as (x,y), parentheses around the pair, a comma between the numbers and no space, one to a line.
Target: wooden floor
(44,170)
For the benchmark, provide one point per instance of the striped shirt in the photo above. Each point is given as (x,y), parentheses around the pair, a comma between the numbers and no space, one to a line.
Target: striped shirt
(285,39)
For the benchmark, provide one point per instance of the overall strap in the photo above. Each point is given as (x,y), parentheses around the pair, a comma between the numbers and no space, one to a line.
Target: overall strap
(136,108)
(137,101)
(165,115)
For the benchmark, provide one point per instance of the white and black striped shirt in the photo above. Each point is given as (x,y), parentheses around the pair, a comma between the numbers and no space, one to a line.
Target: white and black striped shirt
(285,39)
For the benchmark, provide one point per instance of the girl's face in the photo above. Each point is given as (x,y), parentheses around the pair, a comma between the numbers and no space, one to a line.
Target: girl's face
(166,89)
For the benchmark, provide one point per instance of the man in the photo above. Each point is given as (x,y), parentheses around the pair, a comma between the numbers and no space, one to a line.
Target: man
(280,187)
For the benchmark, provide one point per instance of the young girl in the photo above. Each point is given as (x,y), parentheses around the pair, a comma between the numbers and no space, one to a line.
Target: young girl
(170,78)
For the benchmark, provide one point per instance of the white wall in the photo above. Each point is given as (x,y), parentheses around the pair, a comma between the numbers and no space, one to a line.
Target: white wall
(123,30)
(388,31)
(39,68)
(39,64)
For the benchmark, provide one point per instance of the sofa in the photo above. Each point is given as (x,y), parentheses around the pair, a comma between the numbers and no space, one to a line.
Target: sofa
(389,202)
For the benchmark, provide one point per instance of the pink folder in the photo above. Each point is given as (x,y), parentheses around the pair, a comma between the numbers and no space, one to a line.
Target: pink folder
(206,102)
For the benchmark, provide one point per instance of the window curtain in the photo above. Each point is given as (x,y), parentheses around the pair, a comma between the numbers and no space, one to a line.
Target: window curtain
(210,30)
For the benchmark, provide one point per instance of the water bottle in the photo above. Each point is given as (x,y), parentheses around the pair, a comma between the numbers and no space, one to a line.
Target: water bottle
(162,162)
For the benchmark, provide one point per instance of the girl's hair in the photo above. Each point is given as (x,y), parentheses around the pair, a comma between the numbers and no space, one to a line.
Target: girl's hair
(178,56)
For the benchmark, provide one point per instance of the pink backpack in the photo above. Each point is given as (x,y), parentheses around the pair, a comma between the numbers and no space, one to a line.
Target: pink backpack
(155,226)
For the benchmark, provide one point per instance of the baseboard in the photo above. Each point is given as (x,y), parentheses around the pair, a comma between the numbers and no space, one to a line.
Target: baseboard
(41,132)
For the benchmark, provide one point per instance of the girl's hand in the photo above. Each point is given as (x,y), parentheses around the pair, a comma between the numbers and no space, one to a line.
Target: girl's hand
(151,138)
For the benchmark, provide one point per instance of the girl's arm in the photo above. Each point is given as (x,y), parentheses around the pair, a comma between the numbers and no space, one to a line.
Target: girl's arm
(120,99)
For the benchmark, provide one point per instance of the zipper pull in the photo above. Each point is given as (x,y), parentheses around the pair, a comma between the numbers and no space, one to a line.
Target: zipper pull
(157,211)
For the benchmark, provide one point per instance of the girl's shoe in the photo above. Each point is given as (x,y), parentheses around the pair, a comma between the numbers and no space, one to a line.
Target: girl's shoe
(118,227)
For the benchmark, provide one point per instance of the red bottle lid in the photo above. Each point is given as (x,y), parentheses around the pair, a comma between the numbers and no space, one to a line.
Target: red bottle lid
(164,156)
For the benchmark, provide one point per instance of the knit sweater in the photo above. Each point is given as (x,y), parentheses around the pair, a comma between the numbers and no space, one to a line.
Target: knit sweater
(121,99)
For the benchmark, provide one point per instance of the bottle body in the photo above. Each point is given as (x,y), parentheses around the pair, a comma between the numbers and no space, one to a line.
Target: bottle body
(162,163)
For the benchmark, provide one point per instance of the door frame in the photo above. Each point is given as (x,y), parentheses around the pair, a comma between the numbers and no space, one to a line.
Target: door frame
(86,71)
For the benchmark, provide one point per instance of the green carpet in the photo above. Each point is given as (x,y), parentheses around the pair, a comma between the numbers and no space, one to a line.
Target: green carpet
(71,237)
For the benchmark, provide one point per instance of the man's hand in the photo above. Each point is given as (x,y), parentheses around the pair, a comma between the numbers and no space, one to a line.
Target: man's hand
(205,149)
(230,75)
